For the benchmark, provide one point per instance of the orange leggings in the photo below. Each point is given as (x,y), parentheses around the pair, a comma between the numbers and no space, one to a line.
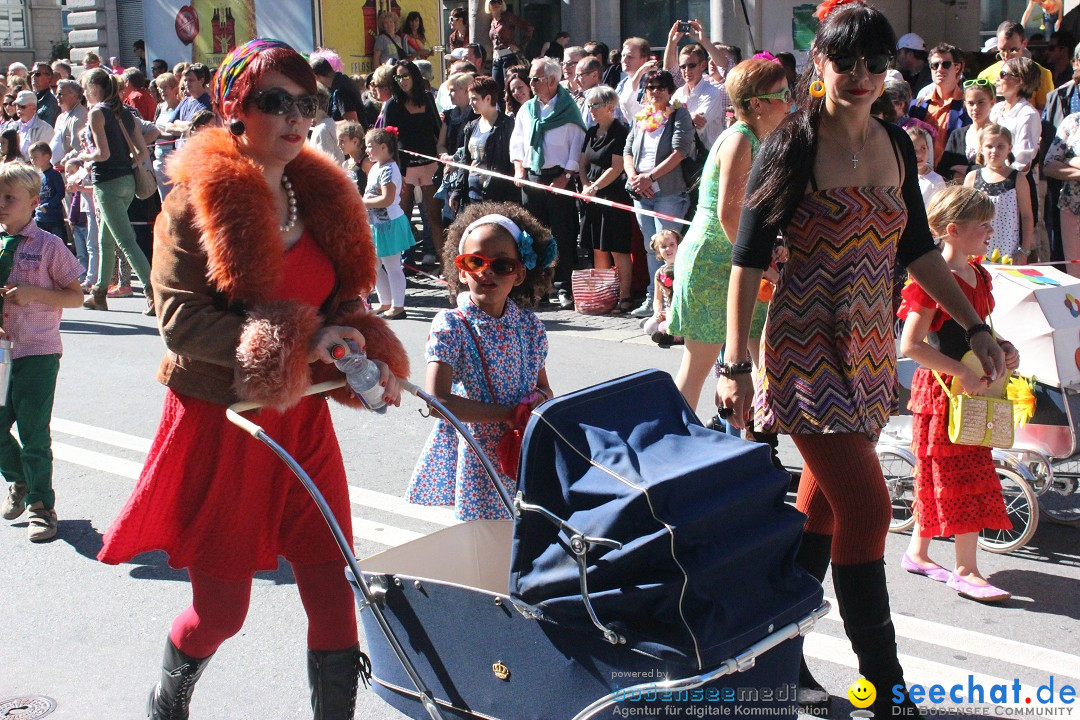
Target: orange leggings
(842,492)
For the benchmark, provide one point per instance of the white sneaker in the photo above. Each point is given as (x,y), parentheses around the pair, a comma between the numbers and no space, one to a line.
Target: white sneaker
(645,310)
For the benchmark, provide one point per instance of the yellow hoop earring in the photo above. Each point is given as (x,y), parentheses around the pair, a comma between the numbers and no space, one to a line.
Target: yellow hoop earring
(817,89)
(882,90)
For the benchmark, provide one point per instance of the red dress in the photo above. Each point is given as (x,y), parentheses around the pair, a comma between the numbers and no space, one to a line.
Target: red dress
(214,498)
(957,490)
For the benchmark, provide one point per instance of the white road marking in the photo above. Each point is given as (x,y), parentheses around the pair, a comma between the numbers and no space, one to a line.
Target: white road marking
(384,534)
(398,506)
(1054,662)
(96,460)
(108,437)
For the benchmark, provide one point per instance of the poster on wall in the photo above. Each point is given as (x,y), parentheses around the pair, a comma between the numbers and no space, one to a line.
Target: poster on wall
(350,28)
(206,30)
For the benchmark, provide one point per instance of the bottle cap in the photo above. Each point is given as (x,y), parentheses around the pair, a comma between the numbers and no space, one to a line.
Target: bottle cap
(337,352)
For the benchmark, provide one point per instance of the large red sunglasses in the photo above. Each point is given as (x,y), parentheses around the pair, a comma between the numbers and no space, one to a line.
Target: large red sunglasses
(473,263)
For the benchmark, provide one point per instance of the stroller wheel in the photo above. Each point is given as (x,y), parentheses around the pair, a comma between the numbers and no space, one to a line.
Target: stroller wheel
(898,467)
(1020,506)
(1060,503)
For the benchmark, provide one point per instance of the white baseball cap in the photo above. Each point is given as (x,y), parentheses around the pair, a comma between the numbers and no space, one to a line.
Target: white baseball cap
(991,45)
(459,53)
(26,97)
(911,41)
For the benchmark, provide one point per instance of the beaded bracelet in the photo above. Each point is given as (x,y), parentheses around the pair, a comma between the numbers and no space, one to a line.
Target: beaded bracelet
(976,328)
(723,369)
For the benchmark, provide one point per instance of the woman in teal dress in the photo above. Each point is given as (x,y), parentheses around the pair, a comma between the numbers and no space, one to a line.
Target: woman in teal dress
(759,94)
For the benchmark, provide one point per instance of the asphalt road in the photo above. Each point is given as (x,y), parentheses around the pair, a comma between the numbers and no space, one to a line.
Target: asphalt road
(90,636)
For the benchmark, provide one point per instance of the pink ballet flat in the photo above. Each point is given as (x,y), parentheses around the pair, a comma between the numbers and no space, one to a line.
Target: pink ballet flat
(982,593)
(934,572)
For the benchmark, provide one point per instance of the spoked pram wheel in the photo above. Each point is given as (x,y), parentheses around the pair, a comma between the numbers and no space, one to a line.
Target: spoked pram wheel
(1020,506)
(898,467)
(1061,502)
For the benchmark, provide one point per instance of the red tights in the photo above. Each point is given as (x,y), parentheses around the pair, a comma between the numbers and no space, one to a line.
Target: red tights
(843,493)
(218,608)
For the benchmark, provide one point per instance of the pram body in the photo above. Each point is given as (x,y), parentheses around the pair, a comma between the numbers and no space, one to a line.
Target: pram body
(647,552)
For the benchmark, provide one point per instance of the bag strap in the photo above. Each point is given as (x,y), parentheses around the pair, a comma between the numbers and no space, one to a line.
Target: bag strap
(483,362)
(135,154)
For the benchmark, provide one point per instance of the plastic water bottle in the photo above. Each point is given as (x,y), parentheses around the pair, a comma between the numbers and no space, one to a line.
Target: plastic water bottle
(5,369)
(361,374)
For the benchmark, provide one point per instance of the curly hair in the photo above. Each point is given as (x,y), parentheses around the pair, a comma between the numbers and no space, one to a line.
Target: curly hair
(537,283)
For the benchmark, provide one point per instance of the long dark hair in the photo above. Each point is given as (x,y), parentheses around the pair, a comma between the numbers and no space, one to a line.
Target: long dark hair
(519,72)
(419,28)
(787,156)
(12,152)
(418,94)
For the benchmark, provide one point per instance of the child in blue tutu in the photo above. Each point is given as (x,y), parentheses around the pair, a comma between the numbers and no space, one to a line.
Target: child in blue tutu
(390,229)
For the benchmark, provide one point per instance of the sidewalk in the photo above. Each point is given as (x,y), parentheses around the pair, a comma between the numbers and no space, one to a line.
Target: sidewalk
(424,293)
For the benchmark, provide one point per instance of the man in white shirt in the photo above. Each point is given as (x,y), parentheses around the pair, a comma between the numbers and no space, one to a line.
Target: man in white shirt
(550,158)
(701,99)
(31,127)
(636,61)
(72,119)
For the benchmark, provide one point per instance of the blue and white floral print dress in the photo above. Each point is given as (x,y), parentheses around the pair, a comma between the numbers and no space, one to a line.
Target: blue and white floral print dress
(515,348)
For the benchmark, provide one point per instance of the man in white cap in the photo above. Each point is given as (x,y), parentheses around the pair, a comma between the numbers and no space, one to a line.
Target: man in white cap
(31,127)
(911,62)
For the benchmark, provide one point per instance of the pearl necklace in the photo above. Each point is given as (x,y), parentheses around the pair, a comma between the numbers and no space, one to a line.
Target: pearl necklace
(291,195)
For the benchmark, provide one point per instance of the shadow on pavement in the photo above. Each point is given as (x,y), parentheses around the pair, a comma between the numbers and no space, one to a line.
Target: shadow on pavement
(1039,592)
(1057,544)
(76,327)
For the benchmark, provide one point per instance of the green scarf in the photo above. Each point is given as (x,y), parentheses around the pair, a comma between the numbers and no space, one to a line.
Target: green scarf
(565,112)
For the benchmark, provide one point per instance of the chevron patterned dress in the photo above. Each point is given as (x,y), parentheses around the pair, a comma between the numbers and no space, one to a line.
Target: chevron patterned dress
(830,351)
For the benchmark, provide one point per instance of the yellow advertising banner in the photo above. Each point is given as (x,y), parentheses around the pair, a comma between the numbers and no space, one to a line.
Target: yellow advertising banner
(222,25)
(349,28)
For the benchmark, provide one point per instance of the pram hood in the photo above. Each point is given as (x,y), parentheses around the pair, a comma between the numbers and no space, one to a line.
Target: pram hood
(707,563)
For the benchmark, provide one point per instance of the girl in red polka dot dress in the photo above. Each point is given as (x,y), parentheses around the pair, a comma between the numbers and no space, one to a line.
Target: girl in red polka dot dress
(957,491)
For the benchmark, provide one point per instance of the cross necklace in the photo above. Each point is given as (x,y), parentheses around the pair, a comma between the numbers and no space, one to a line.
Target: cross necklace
(854,153)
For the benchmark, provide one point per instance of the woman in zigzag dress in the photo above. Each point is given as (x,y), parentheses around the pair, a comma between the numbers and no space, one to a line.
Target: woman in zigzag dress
(843,189)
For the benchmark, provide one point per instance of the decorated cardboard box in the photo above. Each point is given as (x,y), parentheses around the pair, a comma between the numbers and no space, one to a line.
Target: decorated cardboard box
(1038,310)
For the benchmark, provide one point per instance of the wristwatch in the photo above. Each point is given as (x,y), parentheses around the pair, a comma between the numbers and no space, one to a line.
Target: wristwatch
(568,175)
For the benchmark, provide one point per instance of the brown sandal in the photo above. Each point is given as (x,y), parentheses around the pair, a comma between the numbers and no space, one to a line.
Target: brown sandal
(625,305)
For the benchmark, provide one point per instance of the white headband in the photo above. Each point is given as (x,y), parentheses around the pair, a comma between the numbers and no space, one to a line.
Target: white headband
(495,219)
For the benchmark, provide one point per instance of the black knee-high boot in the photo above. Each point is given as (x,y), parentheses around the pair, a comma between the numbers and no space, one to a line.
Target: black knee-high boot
(170,698)
(334,678)
(814,554)
(863,601)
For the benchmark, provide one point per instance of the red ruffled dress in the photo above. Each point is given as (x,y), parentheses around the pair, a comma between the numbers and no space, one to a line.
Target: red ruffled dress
(957,490)
(214,498)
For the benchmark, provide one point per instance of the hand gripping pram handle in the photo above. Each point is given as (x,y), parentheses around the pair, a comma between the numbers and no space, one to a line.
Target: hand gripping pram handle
(344,544)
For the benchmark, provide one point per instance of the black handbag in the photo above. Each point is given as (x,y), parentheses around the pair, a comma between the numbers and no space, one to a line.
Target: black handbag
(694,164)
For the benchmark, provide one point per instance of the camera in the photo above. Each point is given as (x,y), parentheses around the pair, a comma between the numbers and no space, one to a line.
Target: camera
(684,27)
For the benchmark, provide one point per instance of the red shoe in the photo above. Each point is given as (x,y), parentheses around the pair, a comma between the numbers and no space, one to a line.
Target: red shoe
(122,291)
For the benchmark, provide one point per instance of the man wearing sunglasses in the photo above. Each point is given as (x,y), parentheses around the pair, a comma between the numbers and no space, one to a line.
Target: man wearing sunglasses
(911,61)
(1012,42)
(41,78)
(705,102)
(941,103)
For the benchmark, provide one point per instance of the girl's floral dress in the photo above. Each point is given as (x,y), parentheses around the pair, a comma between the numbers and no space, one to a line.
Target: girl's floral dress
(515,349)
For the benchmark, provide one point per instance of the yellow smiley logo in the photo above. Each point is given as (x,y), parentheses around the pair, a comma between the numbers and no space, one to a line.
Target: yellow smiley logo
(862,693)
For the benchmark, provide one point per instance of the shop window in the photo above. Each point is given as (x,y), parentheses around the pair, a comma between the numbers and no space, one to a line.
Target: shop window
(652,19)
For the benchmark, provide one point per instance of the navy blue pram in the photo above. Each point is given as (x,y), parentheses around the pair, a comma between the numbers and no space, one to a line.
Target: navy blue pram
(650,564)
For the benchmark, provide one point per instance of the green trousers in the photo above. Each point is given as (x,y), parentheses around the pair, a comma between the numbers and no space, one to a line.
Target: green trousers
(29,460)
(112,198)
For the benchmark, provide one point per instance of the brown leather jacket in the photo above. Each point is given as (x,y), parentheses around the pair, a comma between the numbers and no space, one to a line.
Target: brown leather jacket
(218,257)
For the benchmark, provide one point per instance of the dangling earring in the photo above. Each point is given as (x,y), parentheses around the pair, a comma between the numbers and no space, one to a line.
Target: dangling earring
(882,90)
(817,89)
(237,127)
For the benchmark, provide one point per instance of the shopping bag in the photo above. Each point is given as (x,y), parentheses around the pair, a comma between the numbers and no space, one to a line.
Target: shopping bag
(596,291)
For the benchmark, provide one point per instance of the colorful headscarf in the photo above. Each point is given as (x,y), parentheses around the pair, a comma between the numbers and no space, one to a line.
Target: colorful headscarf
(234,64)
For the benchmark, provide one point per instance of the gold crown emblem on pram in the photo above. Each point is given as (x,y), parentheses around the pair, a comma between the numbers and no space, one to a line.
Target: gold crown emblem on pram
(501,671)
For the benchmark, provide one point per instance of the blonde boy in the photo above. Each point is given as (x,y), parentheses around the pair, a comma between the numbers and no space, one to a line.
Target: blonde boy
(39,277)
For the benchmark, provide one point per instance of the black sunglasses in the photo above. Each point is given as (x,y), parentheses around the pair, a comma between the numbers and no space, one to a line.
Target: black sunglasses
(943,64)
(654,88)
(279,102)
(534,79)
(875,64)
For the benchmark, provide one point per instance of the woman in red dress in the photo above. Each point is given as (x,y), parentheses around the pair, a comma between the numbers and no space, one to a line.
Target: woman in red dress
(255,277)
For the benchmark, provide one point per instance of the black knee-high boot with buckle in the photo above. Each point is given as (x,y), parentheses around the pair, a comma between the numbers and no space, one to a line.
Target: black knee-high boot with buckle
(814,554)
(863,600)
(170,698)
(334,678)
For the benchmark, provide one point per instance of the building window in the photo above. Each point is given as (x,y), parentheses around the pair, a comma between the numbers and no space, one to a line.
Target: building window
(652,19)
(13,24)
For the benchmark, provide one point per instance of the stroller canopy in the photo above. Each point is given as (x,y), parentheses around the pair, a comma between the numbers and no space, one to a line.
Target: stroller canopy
(707,561)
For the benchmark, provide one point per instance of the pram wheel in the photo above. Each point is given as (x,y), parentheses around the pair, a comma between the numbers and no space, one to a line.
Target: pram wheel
(898,467)
(1020,504)
(1060,503)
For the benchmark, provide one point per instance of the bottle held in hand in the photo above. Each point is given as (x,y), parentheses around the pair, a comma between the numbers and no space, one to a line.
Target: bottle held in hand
(361,374)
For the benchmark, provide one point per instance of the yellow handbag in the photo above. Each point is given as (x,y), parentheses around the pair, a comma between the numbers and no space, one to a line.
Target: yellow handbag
(985,419)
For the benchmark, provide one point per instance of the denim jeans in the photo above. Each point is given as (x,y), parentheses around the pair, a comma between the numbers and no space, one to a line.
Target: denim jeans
(113,198)
(674,205)
(78,239)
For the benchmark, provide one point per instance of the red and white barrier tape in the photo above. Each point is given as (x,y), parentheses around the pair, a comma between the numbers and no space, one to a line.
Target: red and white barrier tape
(548,188)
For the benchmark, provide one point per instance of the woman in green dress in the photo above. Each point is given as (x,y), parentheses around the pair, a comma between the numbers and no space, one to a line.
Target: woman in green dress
(759,94)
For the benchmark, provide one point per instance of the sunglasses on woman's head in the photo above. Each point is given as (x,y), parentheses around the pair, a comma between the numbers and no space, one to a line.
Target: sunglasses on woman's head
(976,82)
(280,102)
(473,263)
(943,64)
(875,64)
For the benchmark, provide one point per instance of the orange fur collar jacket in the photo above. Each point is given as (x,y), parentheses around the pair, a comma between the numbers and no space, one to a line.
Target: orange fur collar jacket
(218,256)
